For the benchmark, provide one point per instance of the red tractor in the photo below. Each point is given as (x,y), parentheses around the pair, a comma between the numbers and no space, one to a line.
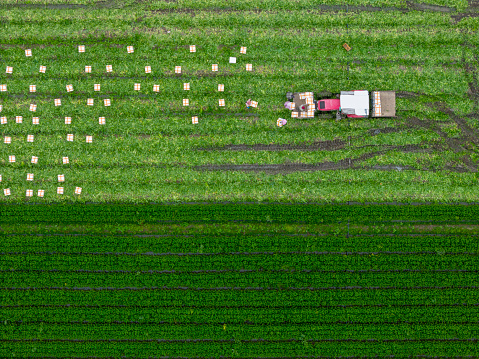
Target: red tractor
(352,104)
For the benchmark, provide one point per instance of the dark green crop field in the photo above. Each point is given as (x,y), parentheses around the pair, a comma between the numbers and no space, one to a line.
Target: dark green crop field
(239,288)
(145,147)
(273,291)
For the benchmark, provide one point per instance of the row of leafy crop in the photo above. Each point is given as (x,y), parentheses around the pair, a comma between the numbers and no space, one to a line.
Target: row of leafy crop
(177,246)
(242,213)
(402,346)
(229,22)
(233,279)
(146,153)
(116,186)
(241,331)
(239,297)
(210,233)
(254,317)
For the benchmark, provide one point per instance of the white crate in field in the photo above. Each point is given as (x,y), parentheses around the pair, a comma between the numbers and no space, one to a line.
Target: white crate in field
(192,48)
(130,49)
(59,190)
(156,88)
(214,67)
(89,139)
(43,69)
(1,108)
(29,193)
(6,191)
(58,102)
(81,48)
(254,103)
(0,178)
(33,107)
(3,88)
(29,176)
(77,190)
(148,69)
(35,120)
(221,87)
(11,159)
(9,70)
(101,120)
(243,50)
(221,102)
(96,87)
(186,86)
(186,102)
(177,69)
(18,119)
(137,87)
(61,178)
(109,68)
(28,52)
(249,67)
(70,137)
(4,120)
(30,138)
(68,120)
(69,88)
(41,193)
(89,102)
(232,60)
(34,159)
(294,114)
(309,101)
(194,119)
(106,102)
(88,69)
(65,160)
(7,140)
(33,88)
(310,113)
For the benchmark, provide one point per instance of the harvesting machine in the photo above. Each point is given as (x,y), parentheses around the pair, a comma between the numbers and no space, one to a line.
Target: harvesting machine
(353,104)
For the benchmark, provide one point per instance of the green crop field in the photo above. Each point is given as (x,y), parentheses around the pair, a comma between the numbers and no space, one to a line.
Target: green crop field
(285,286)
(148,150)
(141,275)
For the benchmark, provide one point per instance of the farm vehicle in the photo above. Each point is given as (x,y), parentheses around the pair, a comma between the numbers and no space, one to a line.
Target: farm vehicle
(352,104)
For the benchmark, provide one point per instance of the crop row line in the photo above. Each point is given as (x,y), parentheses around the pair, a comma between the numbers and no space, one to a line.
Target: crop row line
(435,322)
(239,306)
(249,357)
(235,253)
(241,340)
(241,271)
(240,357)
(235,235)
(233,288)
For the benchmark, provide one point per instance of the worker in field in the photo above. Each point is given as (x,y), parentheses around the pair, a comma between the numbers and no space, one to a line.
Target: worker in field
(281,122)
(248,103)
(288,105)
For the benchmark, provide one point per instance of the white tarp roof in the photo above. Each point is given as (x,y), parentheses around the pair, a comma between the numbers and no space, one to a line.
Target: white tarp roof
(359,101)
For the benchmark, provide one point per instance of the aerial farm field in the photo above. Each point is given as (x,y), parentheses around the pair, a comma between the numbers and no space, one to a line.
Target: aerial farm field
(145,147)
(127,119)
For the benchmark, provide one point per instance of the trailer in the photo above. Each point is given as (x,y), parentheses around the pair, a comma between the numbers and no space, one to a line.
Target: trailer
(352,104)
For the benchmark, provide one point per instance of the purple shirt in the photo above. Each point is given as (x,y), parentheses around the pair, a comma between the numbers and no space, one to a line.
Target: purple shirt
(287,105)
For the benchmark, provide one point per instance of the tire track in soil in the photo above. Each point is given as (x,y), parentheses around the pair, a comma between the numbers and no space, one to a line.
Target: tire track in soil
(347,163)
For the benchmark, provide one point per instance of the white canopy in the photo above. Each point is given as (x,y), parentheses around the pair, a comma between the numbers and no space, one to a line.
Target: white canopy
(358,101)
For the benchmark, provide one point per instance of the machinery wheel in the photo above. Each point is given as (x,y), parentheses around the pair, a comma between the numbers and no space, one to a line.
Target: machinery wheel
(289,96)
(324,94)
